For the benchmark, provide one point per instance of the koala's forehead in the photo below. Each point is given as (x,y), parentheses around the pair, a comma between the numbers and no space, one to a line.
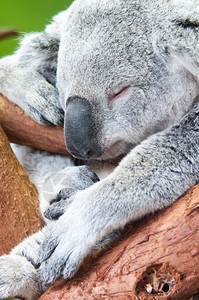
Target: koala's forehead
(103,40)
(106,21)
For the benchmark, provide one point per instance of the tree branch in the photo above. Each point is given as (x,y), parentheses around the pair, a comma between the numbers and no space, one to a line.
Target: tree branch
(158,257)
(21,129)
(19,204)
(6,32)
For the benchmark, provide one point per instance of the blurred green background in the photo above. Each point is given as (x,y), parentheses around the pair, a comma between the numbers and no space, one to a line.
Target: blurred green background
(26,16)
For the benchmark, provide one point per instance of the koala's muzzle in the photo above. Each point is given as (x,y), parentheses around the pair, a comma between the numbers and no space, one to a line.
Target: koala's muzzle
(80,129)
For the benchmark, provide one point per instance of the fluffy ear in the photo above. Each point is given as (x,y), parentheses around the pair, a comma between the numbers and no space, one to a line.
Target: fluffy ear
(184,47)
(184,60)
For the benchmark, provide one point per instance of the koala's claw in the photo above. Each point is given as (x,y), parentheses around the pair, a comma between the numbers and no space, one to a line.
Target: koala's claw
(75,179)
(57,119)
(56,209)
(56,261)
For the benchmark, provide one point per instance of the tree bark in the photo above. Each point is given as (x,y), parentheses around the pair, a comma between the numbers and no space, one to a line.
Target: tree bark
(19,204)
(21,129)
(158,258)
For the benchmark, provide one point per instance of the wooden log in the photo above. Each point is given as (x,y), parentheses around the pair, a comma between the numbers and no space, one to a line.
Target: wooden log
(158,258)
(19,204)
(21,129)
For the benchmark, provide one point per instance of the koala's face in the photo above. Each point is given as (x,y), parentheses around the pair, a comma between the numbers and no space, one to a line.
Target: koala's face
(112,85)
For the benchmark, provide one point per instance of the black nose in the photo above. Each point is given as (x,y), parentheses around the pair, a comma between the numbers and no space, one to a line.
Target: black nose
(80,129)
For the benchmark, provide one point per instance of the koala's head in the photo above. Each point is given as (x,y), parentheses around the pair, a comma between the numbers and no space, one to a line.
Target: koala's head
(115,90)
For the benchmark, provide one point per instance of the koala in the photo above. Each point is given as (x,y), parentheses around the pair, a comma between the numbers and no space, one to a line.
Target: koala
(122,76)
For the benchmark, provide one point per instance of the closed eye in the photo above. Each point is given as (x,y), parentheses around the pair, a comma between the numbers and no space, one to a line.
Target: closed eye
(120,92)
(117,94)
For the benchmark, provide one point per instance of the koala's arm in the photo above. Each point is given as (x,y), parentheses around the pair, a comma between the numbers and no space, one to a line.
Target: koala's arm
(28,77)
(151,177)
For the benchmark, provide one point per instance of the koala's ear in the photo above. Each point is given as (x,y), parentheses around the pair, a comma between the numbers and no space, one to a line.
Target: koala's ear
(183,59)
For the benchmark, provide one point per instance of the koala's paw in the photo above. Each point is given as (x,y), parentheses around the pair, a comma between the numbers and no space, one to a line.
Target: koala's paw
(31,91)
(41,102)
(63,250)
(57,207)
(42,107)
(72,179)
(18,278)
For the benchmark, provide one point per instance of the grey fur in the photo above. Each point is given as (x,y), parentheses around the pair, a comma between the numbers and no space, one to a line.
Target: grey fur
(75,179)
(137,65)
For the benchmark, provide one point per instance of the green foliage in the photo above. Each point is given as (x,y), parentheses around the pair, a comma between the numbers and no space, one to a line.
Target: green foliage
(10,299)
(26,16)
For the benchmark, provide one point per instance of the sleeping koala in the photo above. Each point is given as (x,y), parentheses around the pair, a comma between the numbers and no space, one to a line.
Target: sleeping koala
(123,75)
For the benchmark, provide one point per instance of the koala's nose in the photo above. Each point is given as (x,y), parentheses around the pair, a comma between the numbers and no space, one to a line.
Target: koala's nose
(80,129)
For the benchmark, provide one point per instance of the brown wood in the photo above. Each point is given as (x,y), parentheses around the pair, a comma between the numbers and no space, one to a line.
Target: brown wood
(21,129)
(6,32)
(19,205)
(158,258)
